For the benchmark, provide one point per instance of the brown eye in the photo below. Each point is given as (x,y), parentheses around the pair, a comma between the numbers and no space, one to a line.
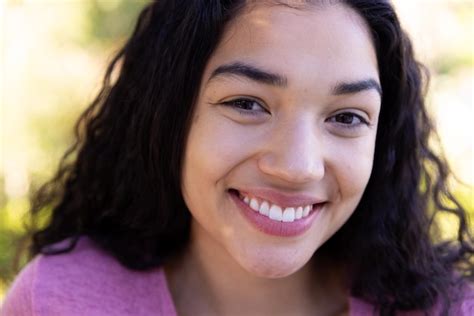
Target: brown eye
(348,119)
(246,106)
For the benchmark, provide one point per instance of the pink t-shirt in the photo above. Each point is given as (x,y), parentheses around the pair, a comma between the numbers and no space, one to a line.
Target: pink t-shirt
(86,281)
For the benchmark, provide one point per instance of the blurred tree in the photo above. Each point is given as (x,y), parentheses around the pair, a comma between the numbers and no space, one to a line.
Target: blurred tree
(110,20)
(74,32)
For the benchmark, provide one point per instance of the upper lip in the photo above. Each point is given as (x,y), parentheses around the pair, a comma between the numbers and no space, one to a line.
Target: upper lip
(282,198)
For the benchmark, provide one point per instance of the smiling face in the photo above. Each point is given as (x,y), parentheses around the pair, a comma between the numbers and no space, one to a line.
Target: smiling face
(282,140)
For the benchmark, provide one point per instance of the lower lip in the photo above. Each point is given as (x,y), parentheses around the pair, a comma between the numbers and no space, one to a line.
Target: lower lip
(276,228)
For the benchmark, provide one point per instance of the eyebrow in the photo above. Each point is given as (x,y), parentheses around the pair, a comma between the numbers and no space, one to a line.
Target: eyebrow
(357,86)
(259,75)
(251,72)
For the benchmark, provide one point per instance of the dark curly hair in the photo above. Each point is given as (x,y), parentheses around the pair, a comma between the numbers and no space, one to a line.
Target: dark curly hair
(119,181)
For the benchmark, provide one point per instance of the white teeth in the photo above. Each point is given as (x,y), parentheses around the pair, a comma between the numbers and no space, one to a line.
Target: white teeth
(306,210)
(288,214)
(299,212)
(275,213)
(264,208)
(254,204)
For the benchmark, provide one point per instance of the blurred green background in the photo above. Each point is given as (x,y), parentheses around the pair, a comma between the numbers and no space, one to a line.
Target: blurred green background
(54,53)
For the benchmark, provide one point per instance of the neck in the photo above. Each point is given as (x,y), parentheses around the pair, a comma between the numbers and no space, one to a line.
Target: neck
(209,281)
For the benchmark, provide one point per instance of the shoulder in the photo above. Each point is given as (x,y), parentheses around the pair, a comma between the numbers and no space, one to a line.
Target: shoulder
(18,300)
(464,306)
(86,281)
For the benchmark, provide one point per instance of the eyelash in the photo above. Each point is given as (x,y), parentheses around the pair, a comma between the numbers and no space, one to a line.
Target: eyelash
(237,105)
(350,125)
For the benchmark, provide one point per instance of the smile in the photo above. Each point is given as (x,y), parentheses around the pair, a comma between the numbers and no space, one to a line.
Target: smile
(276,212)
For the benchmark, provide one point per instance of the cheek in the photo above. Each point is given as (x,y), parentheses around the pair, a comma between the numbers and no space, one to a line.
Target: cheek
(349,165)
(214,148)
(352,165)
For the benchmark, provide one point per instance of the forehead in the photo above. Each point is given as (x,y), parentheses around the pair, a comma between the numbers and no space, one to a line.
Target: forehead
(330,38)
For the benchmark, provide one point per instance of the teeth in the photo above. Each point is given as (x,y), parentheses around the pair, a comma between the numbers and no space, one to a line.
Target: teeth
(306,210)
(299,212)
(254,204)
(264,208)
(276,212)
(289,214)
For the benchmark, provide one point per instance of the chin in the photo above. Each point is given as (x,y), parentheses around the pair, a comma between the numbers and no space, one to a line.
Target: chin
(273,266)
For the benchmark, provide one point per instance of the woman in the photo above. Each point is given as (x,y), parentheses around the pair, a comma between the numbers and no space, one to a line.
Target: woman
(252,158)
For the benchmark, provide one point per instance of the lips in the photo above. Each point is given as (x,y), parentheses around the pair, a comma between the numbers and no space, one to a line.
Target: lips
(275,211)
(290,216)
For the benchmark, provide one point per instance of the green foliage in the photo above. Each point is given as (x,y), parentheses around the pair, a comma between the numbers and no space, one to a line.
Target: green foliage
(450,63)
(11,235)
(110,20)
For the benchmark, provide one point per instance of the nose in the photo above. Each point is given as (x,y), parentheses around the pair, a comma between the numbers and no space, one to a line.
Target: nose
(294,153)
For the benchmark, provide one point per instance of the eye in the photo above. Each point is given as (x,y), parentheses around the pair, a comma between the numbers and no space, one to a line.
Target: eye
(348,120)
(246,106)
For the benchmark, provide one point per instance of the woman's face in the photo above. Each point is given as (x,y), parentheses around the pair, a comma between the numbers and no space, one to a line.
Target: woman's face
(282,142)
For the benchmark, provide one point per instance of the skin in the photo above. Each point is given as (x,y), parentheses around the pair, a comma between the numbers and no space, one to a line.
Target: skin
(291,141)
